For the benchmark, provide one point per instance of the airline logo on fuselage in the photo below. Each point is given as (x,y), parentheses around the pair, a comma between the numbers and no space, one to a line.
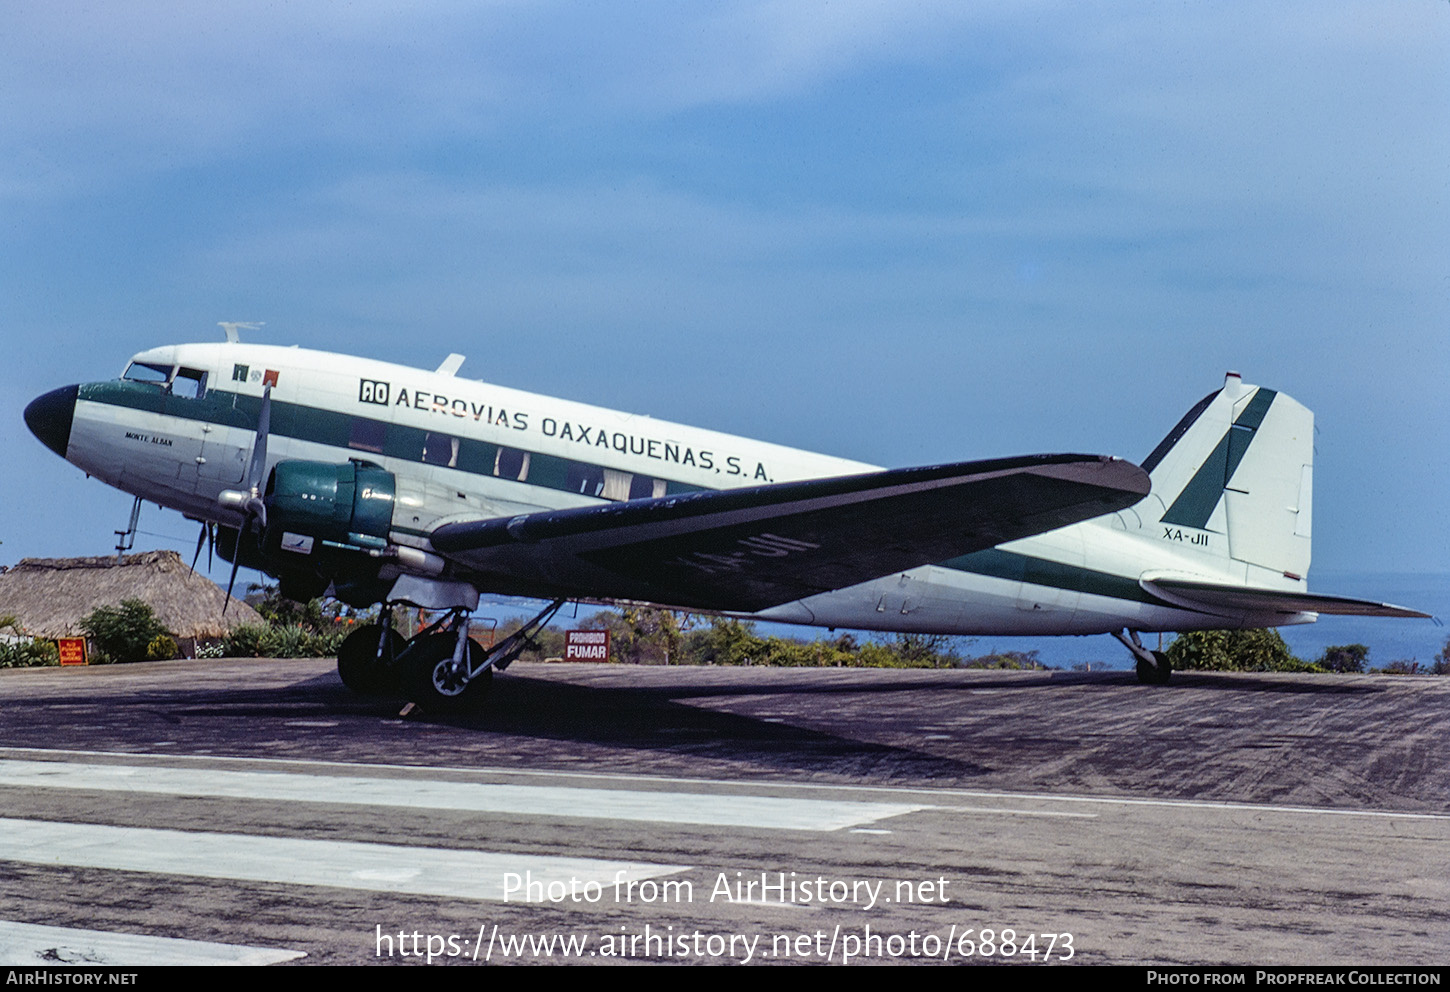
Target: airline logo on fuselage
(372,391)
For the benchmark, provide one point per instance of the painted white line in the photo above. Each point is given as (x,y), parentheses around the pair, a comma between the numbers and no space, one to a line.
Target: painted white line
(998,810)
(765,812)
(431,871)
(25,944)
(702,783)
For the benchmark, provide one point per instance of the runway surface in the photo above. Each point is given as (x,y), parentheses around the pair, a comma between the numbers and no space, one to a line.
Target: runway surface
(257,812)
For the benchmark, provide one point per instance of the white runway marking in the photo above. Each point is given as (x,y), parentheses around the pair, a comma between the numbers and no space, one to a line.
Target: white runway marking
(765,812)
(909,801)
(432,871)
(23,944)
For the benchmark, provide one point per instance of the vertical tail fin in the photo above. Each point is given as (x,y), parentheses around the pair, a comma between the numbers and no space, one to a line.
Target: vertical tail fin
(1240,464)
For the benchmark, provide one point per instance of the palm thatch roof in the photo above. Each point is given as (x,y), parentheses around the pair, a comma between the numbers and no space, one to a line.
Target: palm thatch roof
(50,596)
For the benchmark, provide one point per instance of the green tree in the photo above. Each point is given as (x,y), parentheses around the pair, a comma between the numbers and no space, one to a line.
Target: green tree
(651,636)
(123,633)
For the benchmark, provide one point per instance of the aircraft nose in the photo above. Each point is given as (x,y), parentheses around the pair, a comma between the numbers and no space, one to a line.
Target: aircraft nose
(49,417)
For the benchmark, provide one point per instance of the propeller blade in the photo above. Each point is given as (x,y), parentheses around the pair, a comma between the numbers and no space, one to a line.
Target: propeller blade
(233,579)
(259,446)
(197,557)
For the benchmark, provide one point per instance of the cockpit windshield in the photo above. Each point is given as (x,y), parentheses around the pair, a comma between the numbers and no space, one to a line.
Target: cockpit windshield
(157,375)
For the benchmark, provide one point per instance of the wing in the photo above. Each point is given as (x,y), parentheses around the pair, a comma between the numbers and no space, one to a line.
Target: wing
(1210,597)
(750,549)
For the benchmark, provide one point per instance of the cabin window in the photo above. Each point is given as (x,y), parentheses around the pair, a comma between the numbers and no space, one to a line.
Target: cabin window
(440,449)
(587,480)
(643,487)
(367,435)
(511,463)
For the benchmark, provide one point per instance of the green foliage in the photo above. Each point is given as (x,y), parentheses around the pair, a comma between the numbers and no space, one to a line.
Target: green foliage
(254,640)
(313,629)
(319,616)
(1013,660)
(1403,667)
(649,637)
(123,633)
(162,648)
(1344,658)
(644,635)
(1234,651)
(1442,661)
(25,652)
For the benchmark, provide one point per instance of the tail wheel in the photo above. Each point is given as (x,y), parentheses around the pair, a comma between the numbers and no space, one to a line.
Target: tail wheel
(362,669)
(432,681)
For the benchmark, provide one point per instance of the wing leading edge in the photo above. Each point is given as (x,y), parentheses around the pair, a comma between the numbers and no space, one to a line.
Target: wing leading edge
(750,549)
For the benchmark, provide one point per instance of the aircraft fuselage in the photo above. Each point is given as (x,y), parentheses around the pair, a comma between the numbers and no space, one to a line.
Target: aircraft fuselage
(179,428)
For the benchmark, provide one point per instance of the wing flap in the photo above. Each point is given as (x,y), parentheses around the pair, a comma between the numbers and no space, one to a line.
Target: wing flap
(1211,597)
(749,549)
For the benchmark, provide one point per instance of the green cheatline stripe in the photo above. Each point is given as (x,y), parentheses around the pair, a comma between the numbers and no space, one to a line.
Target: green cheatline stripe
(1195,504)
(1055,575)
(337,430)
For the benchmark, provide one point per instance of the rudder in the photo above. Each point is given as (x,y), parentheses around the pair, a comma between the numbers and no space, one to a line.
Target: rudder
(1240,465)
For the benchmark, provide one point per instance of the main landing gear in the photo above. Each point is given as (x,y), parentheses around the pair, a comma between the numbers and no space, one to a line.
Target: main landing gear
(440,668)
(1152,666)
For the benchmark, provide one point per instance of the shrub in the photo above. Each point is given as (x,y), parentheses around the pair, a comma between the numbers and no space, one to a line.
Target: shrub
(162,648)
(25,652)
(260,640)
(1344,658)
(1234,651)
(123,633)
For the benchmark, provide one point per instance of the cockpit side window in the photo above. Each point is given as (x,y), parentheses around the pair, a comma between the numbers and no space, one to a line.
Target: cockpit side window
(149,372)
(189,384)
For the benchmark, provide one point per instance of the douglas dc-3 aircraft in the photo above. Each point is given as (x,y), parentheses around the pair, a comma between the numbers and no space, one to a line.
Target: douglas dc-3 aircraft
(394,485)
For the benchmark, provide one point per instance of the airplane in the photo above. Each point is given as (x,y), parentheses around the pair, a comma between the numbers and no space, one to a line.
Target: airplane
(391,485)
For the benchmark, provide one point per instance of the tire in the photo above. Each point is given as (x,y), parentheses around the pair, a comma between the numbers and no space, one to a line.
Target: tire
(429,681)
(1154,674)
(359,666)
(1165,667)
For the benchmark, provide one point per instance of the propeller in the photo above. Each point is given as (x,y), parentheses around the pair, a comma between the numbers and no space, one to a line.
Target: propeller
(207,537)
(249,501)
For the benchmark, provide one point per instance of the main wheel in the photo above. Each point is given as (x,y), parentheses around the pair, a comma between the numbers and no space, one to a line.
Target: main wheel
(1155,674)
(431,681)
(360,667)
(1165,667)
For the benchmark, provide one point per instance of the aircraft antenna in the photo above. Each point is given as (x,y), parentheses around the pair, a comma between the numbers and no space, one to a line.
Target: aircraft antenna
(233,326)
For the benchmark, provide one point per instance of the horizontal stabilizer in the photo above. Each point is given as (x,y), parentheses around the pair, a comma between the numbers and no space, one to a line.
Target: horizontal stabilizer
(1211,597)
(753,548)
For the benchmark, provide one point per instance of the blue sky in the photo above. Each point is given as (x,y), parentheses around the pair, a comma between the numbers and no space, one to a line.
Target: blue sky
(900,232)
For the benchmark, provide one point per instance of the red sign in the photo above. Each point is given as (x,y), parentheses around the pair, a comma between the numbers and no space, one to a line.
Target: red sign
(586,645)
(72,650)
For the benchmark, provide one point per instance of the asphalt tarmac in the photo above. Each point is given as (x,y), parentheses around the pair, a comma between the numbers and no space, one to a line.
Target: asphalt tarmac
(257,812)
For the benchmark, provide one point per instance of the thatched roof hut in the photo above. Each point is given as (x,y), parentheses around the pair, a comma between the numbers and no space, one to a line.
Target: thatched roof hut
(50,596)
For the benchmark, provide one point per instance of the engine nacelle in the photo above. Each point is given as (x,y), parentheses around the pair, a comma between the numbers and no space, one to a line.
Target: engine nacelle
(328,523)
(345,505)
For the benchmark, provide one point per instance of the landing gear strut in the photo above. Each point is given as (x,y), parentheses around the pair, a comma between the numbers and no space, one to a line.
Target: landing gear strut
(439,668)
(1152,666)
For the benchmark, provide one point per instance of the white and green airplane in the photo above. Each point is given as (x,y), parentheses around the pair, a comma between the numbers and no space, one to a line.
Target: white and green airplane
(396,485)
